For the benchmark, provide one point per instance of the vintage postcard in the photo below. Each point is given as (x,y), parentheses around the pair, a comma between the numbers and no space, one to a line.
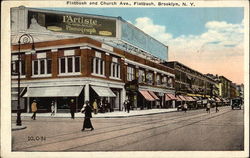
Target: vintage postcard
(89,78)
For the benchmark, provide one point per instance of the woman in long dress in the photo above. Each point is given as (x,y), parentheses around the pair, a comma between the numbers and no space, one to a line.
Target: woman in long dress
(88,114)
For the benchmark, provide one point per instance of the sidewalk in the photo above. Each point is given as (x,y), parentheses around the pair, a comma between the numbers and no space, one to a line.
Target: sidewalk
(115,114)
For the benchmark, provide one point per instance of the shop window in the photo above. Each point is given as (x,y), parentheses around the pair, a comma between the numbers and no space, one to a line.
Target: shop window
(115,68)
(69,65)
(14,67)
(130,73)
(149,78)
(98,65)
(141,77)
(41,67)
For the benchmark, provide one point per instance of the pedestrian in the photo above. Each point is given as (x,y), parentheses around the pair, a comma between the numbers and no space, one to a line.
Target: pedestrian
(95,106)
(208,107)
(52,108)
(125,105)
(87,111)
(216,108)
(128,106)
(34,109)
(185,107)
(72,108)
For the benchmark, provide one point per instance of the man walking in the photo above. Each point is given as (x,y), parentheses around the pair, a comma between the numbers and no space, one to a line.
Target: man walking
(208,107)
(216,108)
(72,108)
(34,109)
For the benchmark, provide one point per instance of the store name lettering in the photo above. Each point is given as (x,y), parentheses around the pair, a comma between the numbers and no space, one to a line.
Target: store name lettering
(80,20)
(81,29)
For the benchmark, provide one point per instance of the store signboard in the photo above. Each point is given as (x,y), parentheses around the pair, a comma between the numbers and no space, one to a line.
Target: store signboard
(87,25)
(138,38)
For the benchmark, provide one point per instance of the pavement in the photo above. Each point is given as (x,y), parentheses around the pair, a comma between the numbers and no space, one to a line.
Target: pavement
(115,114)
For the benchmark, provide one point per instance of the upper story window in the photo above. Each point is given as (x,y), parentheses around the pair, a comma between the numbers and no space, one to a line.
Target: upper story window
(164,80)
(69,64)
(115,68)
(170,82)
(158,79)
(149,77)
(141,76)
(98,64)
(41,67)
(14,66)
(130,73)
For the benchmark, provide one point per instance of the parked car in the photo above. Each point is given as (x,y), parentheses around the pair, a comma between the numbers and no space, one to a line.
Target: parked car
(236,103)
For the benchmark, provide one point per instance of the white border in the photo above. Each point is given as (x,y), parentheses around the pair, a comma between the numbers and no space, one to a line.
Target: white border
(6,80)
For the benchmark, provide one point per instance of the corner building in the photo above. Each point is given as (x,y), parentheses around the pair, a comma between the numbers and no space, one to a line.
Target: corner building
(86,65)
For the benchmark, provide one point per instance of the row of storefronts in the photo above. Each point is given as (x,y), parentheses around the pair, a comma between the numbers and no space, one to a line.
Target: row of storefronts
(115,63)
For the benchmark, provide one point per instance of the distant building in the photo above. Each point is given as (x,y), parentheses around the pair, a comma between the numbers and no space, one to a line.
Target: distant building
(191,82)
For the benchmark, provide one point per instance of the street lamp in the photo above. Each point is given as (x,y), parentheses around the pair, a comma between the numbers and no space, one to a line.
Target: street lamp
(25,39)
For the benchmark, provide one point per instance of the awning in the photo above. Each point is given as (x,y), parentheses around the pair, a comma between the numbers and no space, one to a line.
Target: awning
(171,96)
(181,98)
(103,91)
(188,98)
(167,98)
(64,91)
(147,96)
(217,99)
(178,98)
(153,95)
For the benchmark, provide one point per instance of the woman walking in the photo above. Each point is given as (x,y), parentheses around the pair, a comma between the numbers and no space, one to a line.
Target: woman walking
(87,111)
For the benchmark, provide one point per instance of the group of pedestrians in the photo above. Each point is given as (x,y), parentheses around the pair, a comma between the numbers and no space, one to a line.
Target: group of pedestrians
(208,107)
(87,110)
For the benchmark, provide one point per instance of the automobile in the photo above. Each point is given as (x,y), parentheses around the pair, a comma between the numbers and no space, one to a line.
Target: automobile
(236,103)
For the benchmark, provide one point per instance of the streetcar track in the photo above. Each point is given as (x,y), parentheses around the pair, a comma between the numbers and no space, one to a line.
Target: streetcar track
(132,122)
(123,129)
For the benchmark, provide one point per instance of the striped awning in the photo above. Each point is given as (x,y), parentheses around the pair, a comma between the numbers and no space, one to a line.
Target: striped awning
(153,95)
(146,95)
(167,98)
(171,96)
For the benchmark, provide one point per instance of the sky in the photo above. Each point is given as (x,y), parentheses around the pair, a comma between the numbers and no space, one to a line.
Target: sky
(209,40)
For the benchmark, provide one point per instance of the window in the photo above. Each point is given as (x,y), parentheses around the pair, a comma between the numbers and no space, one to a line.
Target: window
(141,76)
(69,65)
(149,78)
(41,67)
(170,82)
(14,67)
(158,79)
(115,68)
(130,73)
(98,65)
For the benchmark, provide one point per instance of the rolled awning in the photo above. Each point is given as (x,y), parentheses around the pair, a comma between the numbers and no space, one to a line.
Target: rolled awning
(103,91)
(64,91)
(147,96)
(153,95)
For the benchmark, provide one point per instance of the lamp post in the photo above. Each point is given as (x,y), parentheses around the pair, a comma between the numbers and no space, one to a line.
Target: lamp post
(25,39)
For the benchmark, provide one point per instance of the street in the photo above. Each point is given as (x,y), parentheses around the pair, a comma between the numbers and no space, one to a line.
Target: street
(195,130)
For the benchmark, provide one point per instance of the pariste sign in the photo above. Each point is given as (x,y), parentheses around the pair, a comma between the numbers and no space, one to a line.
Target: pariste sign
(88,25)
